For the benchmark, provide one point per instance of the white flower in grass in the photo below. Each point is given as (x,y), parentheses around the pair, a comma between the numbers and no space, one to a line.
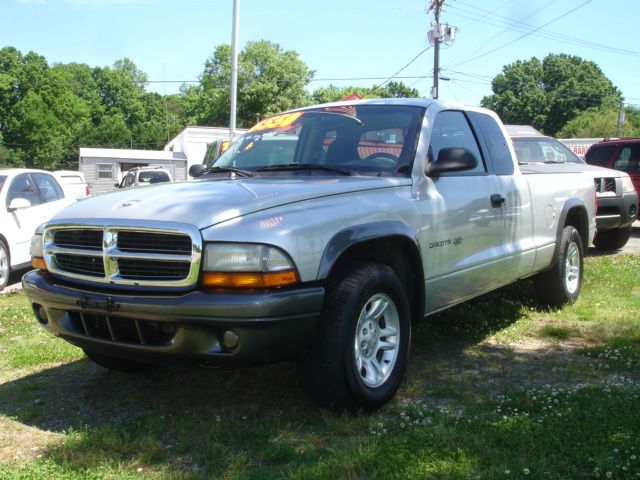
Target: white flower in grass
(525,471)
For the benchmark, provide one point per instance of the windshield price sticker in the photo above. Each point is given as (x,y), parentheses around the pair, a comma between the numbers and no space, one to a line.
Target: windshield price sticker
(276,122)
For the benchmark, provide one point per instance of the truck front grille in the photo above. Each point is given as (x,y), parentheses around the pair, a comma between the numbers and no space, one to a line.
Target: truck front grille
(124,330)
(153,242)
(81,239)
(81,264)
(605,186)
(124,255)
(142,269)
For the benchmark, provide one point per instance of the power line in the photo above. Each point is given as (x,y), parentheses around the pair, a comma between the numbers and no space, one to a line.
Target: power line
(410,62)
(504,30)
(525,35)
(520,26)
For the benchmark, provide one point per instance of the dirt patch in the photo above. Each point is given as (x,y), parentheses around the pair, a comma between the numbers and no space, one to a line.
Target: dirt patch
(21,443)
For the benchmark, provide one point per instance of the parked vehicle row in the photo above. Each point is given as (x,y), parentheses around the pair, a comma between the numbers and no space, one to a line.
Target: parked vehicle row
(28,198)
(617,198)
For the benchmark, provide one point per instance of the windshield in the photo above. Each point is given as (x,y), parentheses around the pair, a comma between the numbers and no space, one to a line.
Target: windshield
(543,149)
(364,140)
(153,177)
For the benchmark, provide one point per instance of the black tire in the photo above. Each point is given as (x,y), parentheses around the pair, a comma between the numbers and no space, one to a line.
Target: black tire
(561,284)
(329,373)
(612,239)
(5,265)
(114,363)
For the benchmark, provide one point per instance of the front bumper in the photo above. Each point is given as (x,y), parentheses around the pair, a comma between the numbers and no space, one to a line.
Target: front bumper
(616,212)
(186,328)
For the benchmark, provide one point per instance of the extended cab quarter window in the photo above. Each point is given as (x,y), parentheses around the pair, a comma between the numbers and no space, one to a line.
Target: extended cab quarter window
(496,143)
(452,130)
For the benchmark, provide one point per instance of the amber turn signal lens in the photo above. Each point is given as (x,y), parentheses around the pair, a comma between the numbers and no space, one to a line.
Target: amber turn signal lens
(38,262)
(249,280)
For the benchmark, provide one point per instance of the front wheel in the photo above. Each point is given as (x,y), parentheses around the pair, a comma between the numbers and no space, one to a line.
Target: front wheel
(359,354)
(5,265)
(561,284)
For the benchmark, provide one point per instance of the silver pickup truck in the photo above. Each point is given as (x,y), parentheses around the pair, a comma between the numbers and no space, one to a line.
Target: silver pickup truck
(320,235)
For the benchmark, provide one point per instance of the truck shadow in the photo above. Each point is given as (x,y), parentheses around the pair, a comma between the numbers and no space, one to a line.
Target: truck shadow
(82,395)
(198,420)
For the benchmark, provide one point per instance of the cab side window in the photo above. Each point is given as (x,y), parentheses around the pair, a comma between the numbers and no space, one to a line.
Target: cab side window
(628,159)
(48,188)
(452,130)
(22,187)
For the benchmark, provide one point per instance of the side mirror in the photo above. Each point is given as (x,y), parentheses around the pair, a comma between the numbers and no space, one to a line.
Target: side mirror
(196,170)
(18,204)
(451,160)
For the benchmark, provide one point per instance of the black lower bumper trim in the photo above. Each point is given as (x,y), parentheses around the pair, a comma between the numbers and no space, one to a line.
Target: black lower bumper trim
(181,328)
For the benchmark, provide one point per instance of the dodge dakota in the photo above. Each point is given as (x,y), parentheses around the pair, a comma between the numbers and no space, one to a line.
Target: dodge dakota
(322,234)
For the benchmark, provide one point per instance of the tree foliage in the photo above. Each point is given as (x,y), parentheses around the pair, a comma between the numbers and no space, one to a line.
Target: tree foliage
(390,90)
(47,112)
(270,80)
(602,122)
(549,93)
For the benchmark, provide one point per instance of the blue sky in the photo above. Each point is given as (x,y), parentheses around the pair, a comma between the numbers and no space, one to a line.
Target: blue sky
(364,40)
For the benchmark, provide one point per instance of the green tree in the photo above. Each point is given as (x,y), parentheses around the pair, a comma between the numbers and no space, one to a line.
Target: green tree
(270,80)
(550,93)
(601,122)
(332,93)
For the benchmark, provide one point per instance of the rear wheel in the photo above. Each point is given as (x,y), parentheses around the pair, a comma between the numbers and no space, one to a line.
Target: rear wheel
(612,239)
(359,354)
(5,265)
(114,363)
(561,284)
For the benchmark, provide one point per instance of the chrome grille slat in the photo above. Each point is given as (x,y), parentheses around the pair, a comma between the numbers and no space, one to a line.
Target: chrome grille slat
(124,254)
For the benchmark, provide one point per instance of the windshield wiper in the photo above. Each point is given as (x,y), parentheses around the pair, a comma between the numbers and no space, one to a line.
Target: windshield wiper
(305,166)
(237,171)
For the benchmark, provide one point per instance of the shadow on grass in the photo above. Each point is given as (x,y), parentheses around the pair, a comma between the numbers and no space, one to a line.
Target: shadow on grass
(212,422)
(80,393)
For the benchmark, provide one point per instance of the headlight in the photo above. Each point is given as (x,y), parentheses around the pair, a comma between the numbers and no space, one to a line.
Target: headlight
(627,184)
(36,251)
(246,265)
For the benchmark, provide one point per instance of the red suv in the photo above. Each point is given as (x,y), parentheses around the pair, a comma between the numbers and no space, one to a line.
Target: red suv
(620,154)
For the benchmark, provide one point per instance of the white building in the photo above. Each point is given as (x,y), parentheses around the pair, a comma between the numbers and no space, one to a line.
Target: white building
(103,167)
(193,141)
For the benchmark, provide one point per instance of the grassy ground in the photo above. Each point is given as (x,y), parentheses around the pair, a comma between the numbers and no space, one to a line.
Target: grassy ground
(496,389)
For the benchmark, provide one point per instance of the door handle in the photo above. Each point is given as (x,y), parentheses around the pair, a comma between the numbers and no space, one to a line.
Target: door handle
(497,200)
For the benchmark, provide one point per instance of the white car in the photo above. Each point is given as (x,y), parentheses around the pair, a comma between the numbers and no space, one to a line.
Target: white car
(75,182)
(27,199)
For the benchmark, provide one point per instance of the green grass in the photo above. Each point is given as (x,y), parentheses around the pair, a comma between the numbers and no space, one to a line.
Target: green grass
(496,388)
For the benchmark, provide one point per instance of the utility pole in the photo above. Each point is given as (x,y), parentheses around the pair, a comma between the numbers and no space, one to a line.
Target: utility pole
(620,119)
(437,35)
(234,68)
(436,6)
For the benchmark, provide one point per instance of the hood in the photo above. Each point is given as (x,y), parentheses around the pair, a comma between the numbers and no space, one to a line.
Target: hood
(208,202)
(599,172)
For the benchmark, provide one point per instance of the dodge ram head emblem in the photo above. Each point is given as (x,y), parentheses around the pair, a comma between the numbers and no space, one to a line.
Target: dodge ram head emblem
(127,204)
